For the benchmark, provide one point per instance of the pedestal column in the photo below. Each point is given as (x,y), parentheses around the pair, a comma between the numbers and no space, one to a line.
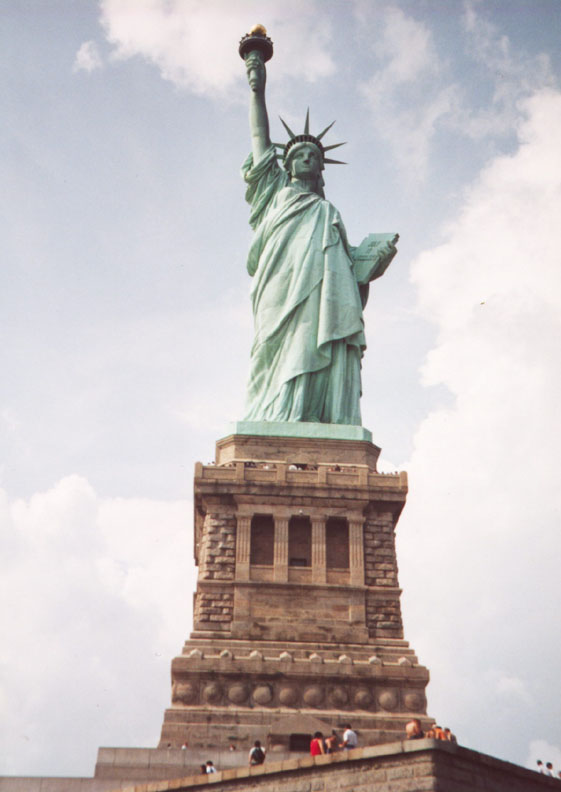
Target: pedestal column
(243,547)
(356,551)
(280,572)
(319,572)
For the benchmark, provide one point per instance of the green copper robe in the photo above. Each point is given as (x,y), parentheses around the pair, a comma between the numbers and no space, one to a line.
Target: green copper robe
(309,329)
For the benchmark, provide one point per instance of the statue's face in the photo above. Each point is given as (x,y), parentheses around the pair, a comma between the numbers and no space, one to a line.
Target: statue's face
(305,162)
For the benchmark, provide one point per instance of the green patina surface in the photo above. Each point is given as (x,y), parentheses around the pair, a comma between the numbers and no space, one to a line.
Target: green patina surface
(302,429)
(309,284)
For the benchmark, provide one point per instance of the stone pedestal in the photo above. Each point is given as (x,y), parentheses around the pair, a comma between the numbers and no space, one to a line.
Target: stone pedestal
(297,620)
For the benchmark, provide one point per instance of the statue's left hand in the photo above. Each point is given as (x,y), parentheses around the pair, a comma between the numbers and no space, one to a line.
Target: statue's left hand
(373,256)
(389,249)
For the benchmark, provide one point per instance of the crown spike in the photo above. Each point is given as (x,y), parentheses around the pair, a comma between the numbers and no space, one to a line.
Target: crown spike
(307,137)
(288,129)
(319,137)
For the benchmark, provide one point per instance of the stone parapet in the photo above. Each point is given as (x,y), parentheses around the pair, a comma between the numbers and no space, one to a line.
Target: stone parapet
(409,766)
(414,766)
(64,784)
(321,474)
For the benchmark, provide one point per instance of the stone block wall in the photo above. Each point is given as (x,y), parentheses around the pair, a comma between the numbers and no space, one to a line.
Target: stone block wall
(416,766)
(214,600)
(214,608)
(383,616)
(383,611)
(218,547)
(379,550)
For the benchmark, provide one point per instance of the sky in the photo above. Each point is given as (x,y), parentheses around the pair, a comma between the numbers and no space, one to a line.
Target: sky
(126,328)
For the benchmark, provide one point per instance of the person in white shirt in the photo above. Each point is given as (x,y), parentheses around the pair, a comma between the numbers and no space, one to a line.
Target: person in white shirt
(350,740)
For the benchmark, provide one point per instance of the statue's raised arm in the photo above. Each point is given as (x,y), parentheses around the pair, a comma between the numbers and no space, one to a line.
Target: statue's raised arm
(309,284)
(255,54)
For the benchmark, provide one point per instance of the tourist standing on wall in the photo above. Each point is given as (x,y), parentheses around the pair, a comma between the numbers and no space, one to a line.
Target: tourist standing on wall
(257,754)
(350,740)
(331,742)
(316,745)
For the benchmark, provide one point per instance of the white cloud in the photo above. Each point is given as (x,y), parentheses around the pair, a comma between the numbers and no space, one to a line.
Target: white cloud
(513,688)
(512,75)
(96,597)
(407,49)
(194,44)
(9,420)
(479,541)
(501,251)
(88,58)
(408,64)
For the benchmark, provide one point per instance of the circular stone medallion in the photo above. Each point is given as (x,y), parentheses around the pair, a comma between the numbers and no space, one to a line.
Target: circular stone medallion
(288,696)
(413,702)
(212,693)
(363,698)
(338,697)
(313,696)
(263,694)
(238,692)
(184,692)
(387,700)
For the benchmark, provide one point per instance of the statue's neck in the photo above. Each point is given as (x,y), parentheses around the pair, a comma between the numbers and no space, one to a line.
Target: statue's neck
(304,185)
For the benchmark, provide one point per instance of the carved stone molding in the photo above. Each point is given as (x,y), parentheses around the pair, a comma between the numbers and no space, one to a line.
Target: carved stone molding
(346,695)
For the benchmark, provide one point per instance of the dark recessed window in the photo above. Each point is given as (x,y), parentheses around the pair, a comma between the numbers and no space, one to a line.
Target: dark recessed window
(337,543)
(299,542)
(300,742)
(262,540)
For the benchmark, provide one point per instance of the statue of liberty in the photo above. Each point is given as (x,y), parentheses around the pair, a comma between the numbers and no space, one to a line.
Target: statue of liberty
(309,284)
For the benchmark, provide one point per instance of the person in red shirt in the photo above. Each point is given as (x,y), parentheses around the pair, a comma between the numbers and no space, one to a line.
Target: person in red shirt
(316,745)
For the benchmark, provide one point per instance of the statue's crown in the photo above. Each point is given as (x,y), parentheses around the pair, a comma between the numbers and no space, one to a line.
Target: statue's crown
(306,137)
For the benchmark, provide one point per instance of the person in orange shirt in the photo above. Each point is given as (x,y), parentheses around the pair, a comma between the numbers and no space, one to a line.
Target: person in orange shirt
(436,732)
